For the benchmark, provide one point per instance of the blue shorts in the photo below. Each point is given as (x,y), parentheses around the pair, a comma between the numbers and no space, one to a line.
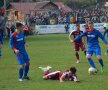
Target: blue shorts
(95,50)
(22,57)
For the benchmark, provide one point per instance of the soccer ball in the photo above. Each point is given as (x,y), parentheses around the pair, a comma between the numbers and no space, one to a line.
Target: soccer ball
(91,70)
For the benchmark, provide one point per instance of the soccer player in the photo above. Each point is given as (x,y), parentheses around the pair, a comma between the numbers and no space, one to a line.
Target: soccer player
(59,75)
(93,44)
(106,36)
(77,44)
(86,25)
(17,43)
(1,43)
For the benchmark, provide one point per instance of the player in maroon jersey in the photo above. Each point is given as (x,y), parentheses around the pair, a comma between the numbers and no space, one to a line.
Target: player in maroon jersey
(60,75)
(77,44)
(86,25)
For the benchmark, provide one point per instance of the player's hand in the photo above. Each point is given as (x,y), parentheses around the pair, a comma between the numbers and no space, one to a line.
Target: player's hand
(71,41)
(16,51)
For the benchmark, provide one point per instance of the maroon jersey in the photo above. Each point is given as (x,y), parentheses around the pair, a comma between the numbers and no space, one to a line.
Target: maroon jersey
(75,34)
(86,27)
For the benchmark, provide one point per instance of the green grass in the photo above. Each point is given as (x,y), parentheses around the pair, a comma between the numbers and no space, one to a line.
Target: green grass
(54,50)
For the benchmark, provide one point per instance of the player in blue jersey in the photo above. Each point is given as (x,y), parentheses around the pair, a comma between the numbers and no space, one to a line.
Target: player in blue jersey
(1,43)
(93,44)
(106,36)
(17,43)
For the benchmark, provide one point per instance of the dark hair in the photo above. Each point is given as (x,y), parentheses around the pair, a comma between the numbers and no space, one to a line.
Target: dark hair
(19,25)
(77,24)
(73,70)
(91,22)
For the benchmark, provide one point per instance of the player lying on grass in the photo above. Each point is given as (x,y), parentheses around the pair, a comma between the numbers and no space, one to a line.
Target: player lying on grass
(77,44)
(93,44)
(68,75)
(17,43)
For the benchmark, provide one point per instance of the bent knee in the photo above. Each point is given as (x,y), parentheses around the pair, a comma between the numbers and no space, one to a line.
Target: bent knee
(98,57)
(88,56)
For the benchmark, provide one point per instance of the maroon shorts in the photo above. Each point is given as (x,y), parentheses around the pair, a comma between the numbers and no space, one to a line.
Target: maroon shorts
(77,46)
(54,75)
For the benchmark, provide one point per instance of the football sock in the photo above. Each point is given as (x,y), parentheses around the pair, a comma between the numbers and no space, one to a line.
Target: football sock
(107,51)
(20,73)
(0,52)
(26,69)
(91,62)
(85,52)
(101,62)
(77,56)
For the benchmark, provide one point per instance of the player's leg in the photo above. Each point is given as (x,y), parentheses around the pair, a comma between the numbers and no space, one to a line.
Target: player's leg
(98,55)
(106,53)
(82,46)
(21,72)
(76,49)
(21,64)
(53,75)
(77,56)
(45,69)
(27,65)
(89,52)
(26,70)
(0,49)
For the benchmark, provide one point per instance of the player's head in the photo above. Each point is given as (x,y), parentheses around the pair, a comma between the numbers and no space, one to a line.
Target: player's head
(77,26)
(73,70)
(86,21)
(91,25)
(19,26)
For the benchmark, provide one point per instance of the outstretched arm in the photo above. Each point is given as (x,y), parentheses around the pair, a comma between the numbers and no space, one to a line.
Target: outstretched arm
(80,36)
(102,37)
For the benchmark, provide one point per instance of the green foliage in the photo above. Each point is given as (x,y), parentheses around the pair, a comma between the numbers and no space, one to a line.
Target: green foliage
(54,50)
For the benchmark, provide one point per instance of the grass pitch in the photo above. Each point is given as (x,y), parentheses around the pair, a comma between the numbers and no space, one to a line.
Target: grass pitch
(56,51)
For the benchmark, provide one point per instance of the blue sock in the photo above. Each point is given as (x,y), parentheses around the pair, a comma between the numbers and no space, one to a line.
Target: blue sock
(101,62)
(26,69)
(20,73)
(91,62)
(107,51)
(0,52)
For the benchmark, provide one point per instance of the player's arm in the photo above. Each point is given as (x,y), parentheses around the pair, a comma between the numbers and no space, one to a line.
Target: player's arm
(102,37)
(12,44)
(106,31)
(80,36)
(70,39)
(75,79)
(62,78)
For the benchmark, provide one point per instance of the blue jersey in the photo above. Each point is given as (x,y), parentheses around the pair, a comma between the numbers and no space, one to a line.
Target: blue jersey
(92,38)
(1,39)
(17,41)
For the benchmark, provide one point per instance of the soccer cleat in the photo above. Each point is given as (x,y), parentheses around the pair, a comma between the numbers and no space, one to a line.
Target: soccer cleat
(27,78)
(78,61)
(102,69)
(20,79)
(49,67)
(45,68)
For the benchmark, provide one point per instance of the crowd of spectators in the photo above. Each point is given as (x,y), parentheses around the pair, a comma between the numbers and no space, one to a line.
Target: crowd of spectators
(95,13)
